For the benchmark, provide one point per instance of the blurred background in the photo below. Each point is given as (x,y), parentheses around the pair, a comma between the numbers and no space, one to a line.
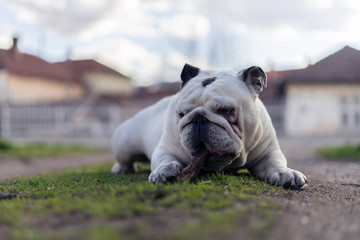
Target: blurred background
(75,69)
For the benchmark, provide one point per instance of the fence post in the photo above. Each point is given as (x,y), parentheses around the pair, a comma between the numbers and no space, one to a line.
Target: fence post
(276,108)
(1,120)
(5,121)
(60,119)
(115,115)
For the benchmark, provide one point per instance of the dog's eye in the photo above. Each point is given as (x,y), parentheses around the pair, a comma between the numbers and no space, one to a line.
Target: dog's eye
(181,115)
(226,110)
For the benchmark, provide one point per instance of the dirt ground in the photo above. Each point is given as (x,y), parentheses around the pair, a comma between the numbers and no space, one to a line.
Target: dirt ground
(329,208)
(10,168)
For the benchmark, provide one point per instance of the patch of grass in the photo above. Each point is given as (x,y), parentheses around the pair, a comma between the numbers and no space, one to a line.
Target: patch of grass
(92,203)
(11,150)
(5,145)
(345,152)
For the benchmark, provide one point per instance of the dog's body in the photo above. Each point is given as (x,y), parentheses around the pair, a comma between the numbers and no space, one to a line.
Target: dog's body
(215,112)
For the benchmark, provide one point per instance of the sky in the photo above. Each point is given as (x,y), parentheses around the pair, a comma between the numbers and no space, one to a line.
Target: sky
(151,40)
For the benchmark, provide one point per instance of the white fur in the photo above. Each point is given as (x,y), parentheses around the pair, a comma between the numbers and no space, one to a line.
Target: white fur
(159,133)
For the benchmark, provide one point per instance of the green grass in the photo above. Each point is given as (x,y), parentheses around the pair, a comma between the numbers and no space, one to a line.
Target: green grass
(345,152)
(11,150)
(92,203)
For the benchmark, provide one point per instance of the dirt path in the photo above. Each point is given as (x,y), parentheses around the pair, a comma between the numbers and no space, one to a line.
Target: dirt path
(329,208)
(35,166)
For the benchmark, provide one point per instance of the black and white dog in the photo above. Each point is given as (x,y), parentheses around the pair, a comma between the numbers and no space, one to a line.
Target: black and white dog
(215,112)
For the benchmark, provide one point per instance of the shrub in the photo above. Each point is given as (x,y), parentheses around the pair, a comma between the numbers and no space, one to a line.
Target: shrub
(347,151)
(5,145)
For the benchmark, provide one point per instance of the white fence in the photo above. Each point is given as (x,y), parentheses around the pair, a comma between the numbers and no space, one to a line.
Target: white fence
(58,121)
(63,121)
(276,111)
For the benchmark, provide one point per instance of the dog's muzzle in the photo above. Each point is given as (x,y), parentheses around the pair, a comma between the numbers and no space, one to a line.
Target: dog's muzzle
(201,134)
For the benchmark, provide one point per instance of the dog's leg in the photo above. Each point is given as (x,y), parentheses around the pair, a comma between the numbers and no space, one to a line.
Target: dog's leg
(164,166)
(125,149)
(273,169)
(124,164)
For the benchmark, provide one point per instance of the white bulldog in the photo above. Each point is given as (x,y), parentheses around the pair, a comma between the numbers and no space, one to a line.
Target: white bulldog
(215,112)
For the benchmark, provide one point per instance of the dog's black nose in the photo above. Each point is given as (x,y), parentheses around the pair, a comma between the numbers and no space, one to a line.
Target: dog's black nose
(200,121)
(200,126)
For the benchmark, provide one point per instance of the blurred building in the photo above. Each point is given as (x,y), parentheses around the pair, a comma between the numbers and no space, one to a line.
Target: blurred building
(99,81)
(322,99)
(26,78)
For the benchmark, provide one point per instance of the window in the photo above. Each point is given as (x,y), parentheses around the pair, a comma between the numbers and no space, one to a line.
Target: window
(356,100)
(357,119)
(350,111)
(344,119)
(343,100)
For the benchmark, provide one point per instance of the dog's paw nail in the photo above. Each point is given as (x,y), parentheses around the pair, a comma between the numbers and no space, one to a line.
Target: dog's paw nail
(178,171)
(302,181)
(163,178)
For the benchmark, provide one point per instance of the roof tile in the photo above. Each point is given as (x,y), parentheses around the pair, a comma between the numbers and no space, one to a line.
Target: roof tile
(17,62)
(342,66)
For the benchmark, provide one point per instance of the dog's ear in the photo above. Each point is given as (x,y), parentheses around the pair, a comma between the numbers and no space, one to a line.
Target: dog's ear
(188,73)
(255,78)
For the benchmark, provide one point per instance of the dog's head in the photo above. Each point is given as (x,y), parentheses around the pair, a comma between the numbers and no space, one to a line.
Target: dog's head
(215,110)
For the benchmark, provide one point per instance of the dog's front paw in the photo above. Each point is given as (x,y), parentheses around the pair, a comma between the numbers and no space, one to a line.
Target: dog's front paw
(165,173)
(287,177)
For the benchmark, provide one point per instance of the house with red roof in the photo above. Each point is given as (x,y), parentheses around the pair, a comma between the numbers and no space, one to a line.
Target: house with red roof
(322,99)
(26,78)
(98,79)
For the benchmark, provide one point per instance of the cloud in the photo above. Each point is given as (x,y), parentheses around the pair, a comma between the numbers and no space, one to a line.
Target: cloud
(285,33)
(260,14)
(144,37)
(131,59)
(93,18)
(62,16)
(126,18)
(185,25)
(5,36)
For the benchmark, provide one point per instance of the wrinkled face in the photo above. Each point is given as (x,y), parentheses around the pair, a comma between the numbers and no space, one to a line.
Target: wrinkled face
(213,110)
